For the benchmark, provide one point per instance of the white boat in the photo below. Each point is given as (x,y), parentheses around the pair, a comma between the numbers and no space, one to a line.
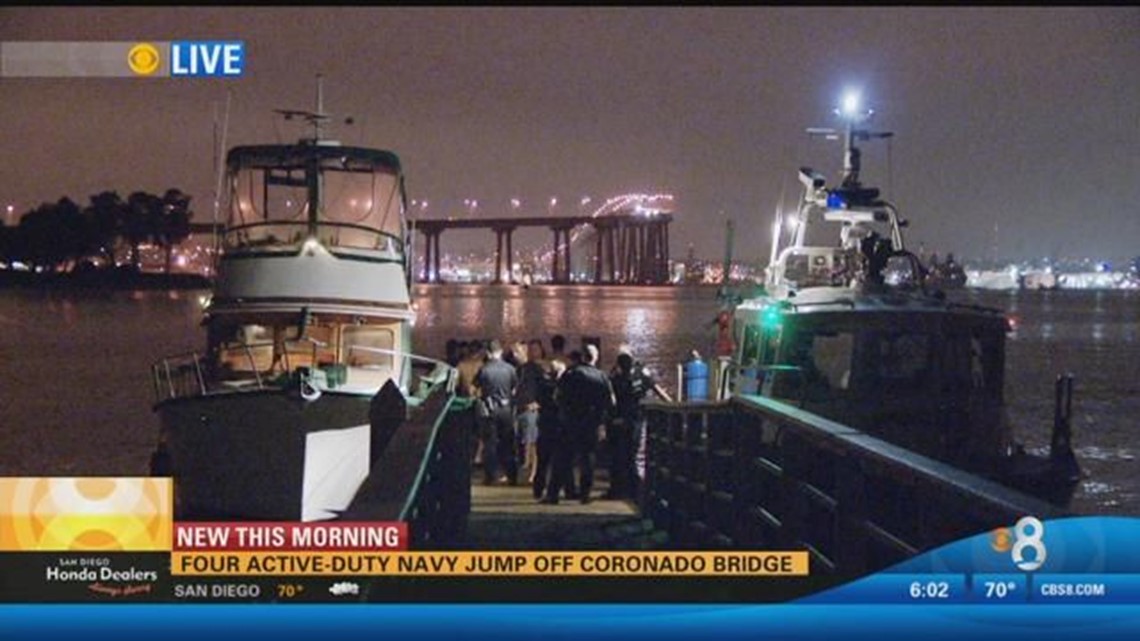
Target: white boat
(308,368)
(850,331)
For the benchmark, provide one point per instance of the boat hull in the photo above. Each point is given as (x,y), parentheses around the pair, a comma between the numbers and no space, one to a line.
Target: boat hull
(269,454)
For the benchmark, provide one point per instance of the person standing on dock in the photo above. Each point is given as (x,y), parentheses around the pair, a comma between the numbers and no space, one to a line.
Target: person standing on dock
(586,398)
(471,357)
(495,384)
(553,469)
(631,383)
(531,373)
(558,349)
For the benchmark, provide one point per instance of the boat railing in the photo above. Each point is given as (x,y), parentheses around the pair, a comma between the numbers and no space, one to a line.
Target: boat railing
(177,376)
(188,374)
(289,236)
(755,473)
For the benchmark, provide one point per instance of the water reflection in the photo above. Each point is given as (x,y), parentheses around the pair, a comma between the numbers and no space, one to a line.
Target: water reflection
(106,344)
(659,326)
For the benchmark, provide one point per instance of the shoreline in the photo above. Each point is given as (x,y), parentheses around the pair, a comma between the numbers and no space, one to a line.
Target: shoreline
(103,280)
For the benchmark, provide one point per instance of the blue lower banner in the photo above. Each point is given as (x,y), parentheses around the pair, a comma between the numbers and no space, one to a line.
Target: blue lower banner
(1072,578)
(505,622)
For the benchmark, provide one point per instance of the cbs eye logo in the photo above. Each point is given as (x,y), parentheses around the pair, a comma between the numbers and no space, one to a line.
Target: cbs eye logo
(1026,534)
(143,59)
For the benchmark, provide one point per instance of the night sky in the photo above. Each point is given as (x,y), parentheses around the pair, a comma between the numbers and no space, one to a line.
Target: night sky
(1027,119)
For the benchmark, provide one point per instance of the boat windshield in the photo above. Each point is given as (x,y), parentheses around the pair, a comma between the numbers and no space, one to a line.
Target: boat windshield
(356,193)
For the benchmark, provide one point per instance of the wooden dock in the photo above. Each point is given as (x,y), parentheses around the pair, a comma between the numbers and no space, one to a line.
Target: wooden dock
(510,518)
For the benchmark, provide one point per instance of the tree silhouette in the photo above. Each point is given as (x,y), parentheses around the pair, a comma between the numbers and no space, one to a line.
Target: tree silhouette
(175,224)
(70,232)
(7,236)
(105,218)
(142,222)
(36,238)
(61,234)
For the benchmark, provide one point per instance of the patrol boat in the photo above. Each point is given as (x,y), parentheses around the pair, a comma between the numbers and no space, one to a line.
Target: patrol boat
(850,331)
(308,367)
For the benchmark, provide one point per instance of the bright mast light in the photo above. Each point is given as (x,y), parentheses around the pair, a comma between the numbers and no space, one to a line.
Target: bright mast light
(850,104)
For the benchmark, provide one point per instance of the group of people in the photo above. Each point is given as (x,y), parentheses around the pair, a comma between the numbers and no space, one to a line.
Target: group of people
(545,417)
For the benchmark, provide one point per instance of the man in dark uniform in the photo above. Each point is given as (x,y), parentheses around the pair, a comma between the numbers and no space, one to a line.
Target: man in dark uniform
(553,458)
(585,398)
(631,383)
(496,383)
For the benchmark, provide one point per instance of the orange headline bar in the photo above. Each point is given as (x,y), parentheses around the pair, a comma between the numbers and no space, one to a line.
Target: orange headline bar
(490,563)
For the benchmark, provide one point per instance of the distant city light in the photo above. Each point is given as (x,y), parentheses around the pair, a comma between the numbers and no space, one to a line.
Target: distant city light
(516,203)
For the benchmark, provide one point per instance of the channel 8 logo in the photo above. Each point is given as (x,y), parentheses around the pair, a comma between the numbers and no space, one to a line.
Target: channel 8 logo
(1027,534)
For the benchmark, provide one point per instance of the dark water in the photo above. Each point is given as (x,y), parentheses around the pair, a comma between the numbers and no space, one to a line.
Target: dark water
(77,392)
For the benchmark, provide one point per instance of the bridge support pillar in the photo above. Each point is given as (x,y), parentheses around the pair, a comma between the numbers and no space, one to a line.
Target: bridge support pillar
(503,236)
(432,252)
(560,269)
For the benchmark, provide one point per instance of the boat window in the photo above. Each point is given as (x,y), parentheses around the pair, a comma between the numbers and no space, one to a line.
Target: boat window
(314,349)
(901,272)
(363,198)
(796,269)
(816,267)
(833,357)
(269,206)
(358,340)
(750,346)
(987,362)
(263,195)
(903,359)
(961,364)
(245,349)
(799,352)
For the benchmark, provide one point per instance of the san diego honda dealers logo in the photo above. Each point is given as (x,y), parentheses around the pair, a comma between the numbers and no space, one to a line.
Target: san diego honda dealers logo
(101,576)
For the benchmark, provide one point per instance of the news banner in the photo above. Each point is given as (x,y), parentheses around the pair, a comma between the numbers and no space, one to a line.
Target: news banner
(84,540)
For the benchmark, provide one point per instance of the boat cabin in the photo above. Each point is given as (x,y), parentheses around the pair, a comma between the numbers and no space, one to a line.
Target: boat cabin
(350,353)
(915,371)
(313,274)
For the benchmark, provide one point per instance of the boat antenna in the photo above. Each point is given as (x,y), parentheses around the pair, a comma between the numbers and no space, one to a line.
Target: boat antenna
(852,114)
(778,225)
(219,167)
(317,118)
(729,232)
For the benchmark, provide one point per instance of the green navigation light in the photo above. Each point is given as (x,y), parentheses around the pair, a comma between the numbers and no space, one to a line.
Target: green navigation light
(771,318)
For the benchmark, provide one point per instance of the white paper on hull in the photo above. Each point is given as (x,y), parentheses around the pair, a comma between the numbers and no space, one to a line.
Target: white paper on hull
(336,463)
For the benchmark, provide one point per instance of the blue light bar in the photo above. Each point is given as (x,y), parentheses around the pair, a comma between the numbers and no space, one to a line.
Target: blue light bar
(835,201)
